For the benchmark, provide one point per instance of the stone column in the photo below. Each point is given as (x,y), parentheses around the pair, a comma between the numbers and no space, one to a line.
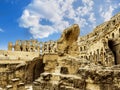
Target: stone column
(23,46)
(10,46)
(34,43)
(45,47)
(38,47)
(28,46)
(41,47)
(17,46)
(48,47)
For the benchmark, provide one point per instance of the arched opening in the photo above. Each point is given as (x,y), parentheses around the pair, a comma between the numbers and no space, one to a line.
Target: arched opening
(113,22)
(80,48)
(112,35)
(110,44)
(13,49)
(21,48)
(33,69)
(26,49)
(37,69)
(84,47)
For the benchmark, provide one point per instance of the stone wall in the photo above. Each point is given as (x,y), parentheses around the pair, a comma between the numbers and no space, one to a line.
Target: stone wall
(96,45)
(33,69)
(86,63)
(95,68)
(50,61)
(87,77)
(33,46)
(17,55)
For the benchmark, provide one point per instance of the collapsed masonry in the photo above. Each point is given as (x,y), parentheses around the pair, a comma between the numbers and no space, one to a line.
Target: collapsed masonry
(33,46)
(88,62)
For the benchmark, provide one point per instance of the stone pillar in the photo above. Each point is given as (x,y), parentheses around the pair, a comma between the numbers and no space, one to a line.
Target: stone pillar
(54,47)
(38,47)
(10,46)
(45,47)
(23,46)
(34,43)
(41,46)
(15,82)
(28,46)
(48,47)
(17,46)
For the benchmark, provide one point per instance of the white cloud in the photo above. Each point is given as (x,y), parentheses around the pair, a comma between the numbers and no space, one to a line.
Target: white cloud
(92,18)
(86,9)
(57,12)
(61,14)
(107,14)
(106,10)
(1,30)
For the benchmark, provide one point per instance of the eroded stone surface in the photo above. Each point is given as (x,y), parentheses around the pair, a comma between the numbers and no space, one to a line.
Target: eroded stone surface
(68,41)
(73,62)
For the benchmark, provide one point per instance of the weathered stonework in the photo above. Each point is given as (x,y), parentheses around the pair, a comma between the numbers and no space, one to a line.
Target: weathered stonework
(67,43)
(100,45)
(95,68)
(73,62)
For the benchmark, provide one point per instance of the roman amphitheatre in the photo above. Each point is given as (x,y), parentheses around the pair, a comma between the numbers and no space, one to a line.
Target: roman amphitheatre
(73,62)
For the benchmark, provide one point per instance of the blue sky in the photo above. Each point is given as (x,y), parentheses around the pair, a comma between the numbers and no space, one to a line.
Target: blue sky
(46,19)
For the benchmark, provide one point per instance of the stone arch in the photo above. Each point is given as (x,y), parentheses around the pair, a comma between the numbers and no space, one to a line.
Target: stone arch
(84,47)
(80,48)
(113,35)
(34,69)
(110,44)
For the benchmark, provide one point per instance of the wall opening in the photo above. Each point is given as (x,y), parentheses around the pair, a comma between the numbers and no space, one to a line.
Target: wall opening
(80,48)
(112,35)
(21,48)
(110,44)
(64,70)
(34,69)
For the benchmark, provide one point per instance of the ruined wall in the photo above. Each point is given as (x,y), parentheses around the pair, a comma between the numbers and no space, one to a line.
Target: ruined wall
(17,55)
(50,61)
(26,45)
(95,68)
(33,69)
(49,47)
(25,71)
(67,44)
(8,72)
(69,64)
(33,46)
(96,45)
